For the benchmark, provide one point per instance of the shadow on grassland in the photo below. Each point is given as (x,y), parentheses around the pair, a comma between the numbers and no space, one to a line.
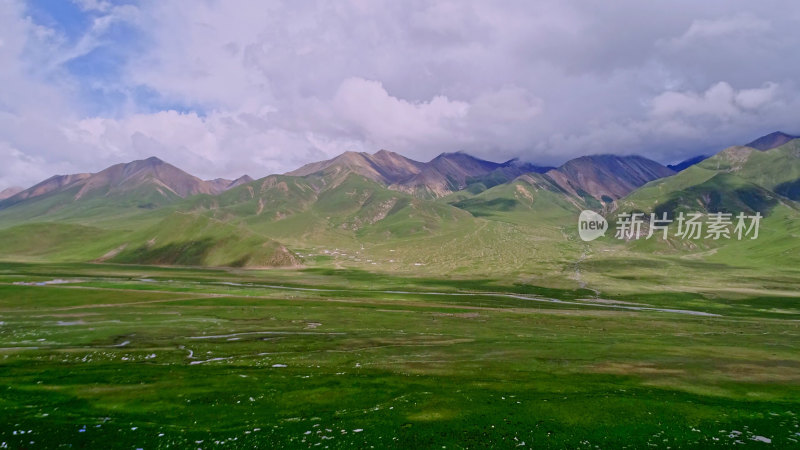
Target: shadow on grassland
(370,280)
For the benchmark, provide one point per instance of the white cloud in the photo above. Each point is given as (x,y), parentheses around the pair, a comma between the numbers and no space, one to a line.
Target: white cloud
(372,112)
(720,101)
(220,143)
(361,116)
(753,99)
(722,27)
(19,168)
(223,88)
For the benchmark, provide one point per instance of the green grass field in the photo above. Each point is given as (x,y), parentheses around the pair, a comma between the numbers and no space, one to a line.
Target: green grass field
(145,357)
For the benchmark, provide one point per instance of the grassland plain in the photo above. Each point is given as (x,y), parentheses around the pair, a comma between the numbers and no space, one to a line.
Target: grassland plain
(478,319)
(119,356)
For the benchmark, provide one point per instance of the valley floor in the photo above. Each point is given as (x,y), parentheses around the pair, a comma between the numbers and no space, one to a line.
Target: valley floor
(101,355)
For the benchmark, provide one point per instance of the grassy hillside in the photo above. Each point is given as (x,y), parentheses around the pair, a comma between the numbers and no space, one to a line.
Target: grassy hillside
(724,192)
(196,240)
(530,199)
(139,205)
(343,211)
(179,239)
(738,179)
(777,169)
(655,192)
(56,242)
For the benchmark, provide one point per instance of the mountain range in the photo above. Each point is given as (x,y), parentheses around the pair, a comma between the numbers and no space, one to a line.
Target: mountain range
(447,173)
(151,212)
(150,179)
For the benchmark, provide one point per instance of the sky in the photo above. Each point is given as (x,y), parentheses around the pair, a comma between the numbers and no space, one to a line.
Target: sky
(223,88)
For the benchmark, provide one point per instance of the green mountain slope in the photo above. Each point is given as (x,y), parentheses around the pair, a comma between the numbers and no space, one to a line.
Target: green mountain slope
(529,199)
(197,240)
(323,206)
(777,169)
(121,190)
(738,179)
(720,192)
(735,179)
(56,242)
